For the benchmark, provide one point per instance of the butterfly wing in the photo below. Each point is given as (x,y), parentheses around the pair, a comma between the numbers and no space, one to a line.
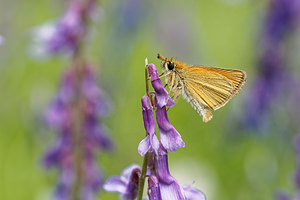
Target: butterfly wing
(206,88)
(235,76)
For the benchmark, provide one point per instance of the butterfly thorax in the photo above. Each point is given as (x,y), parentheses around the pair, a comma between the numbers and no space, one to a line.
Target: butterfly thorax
(172,71)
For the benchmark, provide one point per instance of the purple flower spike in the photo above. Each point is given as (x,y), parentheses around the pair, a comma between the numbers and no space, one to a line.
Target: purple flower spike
(162,96)
(169,136)
(68,32)
(150,143)
(192,194)
(153,188)
(282,196)
(170,189)
(297,148)
(59,154)
(64,35)
(127,184)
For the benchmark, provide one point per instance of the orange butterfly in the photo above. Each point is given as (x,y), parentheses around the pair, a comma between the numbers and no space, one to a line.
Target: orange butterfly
(204,87)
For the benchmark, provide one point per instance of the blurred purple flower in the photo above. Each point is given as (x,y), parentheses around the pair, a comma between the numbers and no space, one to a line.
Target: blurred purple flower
(281,18)
(153,188)
(273,77)
(65,35)
(127,184)
(282,196)
(60,154)
(92,182)
(93,136)
(150,143)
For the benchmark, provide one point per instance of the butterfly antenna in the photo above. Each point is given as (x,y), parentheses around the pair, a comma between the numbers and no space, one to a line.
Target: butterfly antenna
(159,56)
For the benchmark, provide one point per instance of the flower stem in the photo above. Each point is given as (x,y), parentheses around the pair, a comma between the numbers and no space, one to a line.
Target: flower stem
(146,78)
(143,177)
(145,161)
(77,130)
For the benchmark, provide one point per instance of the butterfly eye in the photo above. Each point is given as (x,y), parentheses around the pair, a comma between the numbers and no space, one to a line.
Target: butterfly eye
(171,65)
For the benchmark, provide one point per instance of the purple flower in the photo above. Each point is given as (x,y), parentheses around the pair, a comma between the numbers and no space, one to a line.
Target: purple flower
(63,189)
(282,196)
(97,99)
(161,185)
(161,94)
(127,184)
(91,183)
(281,17)
(65,35)
(153,188)
(93,134)
(273,76)
(170,189)
(192,193)
(69,31)
(60,154)
(169,136)
(93,179)
(150,143)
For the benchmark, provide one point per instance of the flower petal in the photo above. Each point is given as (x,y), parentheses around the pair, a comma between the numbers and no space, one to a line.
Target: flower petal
(192,193)
(115,184)
(126,173)
(151,143)
(161,94)
(169,136)
(133,185)
(170,189)
(144,146)
(148,117)
(153,188)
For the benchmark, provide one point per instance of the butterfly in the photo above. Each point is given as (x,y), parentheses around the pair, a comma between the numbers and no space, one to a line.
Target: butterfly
(205,88)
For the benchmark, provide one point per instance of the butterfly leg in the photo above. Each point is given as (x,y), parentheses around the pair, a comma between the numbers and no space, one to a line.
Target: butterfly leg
(176,94)
(162,75)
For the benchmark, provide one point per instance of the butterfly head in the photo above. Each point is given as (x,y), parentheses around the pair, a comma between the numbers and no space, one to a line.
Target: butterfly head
(167,64)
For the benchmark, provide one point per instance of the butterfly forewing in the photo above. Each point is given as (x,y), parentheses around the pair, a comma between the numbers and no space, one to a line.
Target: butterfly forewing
(214,89)
(236,77)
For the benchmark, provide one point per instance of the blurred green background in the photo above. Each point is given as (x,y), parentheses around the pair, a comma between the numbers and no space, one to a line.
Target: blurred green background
(224,163)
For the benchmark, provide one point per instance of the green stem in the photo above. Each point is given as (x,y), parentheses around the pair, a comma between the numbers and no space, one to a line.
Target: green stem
(143,177)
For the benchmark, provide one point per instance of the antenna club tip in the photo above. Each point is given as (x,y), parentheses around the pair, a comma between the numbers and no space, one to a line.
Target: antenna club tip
(159,56)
